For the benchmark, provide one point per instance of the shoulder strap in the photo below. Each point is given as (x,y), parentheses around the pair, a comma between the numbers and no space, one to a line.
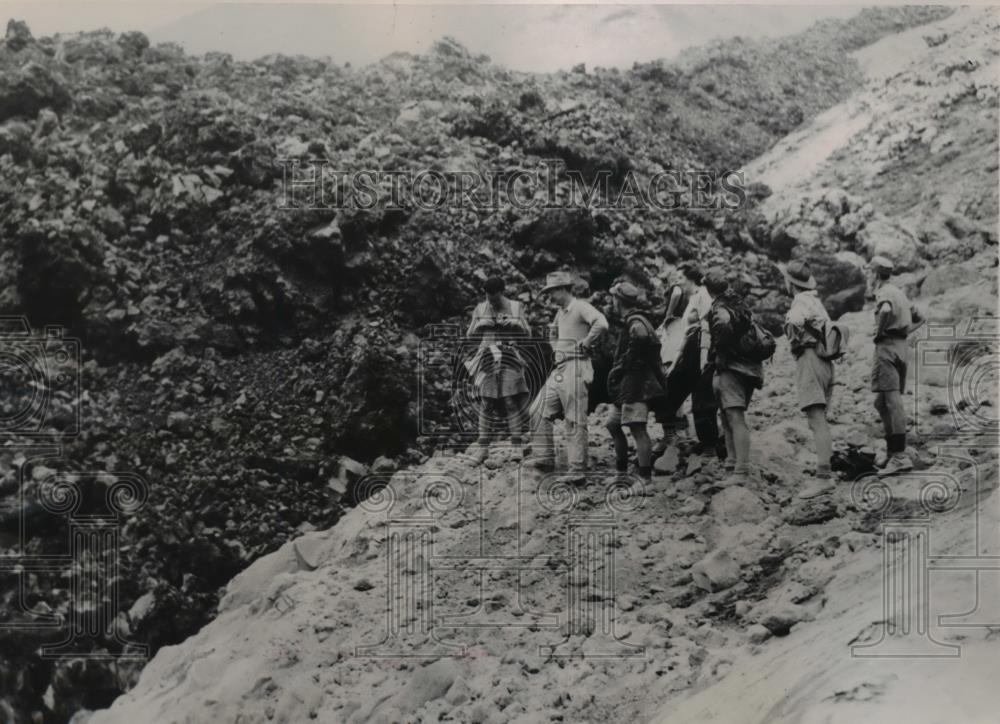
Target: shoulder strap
(642,318)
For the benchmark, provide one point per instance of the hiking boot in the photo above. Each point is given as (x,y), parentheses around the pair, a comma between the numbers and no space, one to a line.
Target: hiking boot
(477,453)
(641,488)
(738,475)
(572,477)
(661,447)
(898,463)
(818,487)
(542,464)
(516,452)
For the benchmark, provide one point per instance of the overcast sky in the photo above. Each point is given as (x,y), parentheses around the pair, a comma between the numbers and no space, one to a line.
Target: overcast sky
(523,37)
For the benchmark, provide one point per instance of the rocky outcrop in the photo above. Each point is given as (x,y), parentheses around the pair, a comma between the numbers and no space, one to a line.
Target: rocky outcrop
(709,580)
(250,355)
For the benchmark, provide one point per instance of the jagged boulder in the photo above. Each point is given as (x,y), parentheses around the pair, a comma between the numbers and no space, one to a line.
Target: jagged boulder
(840,282)
(560,231)
(18,35)
(31,88)
(823,224)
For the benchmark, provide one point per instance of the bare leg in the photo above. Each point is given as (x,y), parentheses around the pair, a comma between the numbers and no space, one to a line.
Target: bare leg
(643,445)
(514,408)
(614,428)
(883,412)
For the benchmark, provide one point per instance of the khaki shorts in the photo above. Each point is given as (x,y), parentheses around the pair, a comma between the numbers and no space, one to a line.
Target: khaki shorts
(630,413)
(889,365)
(813,379)
(732,390)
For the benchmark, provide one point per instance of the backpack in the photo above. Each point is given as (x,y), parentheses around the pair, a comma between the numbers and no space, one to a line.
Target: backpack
(833,341)
(755,344)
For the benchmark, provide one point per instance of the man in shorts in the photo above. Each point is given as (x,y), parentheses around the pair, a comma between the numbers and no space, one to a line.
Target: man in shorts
(895,320)
(805,327)
(636,379)
(734,378)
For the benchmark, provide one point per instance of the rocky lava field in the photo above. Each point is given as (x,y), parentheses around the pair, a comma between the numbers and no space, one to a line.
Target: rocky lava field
(251,362)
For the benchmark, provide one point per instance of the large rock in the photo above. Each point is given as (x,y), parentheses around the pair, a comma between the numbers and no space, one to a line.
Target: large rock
(841,284)
(737,505)
(18,35)
(881,237)
(813,510)
(560,231)
(715,572)
(31,88)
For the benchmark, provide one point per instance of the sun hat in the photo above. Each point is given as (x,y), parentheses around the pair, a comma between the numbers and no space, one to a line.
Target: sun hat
(629,292)
(797,273)
(558,279)
(716,282)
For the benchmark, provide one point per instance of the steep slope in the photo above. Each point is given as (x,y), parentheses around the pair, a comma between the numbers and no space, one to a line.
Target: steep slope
(747,601)
(284,646)
(235,352)
(907,166)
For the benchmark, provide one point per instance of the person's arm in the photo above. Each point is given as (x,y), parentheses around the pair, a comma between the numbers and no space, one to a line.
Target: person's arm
(720,323)
(479,323)
(917,318)
(518,323)
(598,325)
(640,340)
(883,313)
(705,343)
(672,302)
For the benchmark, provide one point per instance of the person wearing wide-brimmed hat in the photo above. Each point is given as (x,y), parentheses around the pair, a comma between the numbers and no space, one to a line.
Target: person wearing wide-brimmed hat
(895,319)
(574,332)
(636,379)
(497,367)
(805,328)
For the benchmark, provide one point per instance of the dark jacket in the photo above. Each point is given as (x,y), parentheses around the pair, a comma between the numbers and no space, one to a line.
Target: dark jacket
(728,320)
(636,373)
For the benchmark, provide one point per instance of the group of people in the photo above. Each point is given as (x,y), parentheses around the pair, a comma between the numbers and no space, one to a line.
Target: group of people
(709,347)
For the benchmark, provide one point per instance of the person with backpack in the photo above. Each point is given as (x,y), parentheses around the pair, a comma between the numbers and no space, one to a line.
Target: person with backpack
(807,326)
(895,320)
(636,379)
(575,330)
(739,347)
(686,368)
(497,367)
